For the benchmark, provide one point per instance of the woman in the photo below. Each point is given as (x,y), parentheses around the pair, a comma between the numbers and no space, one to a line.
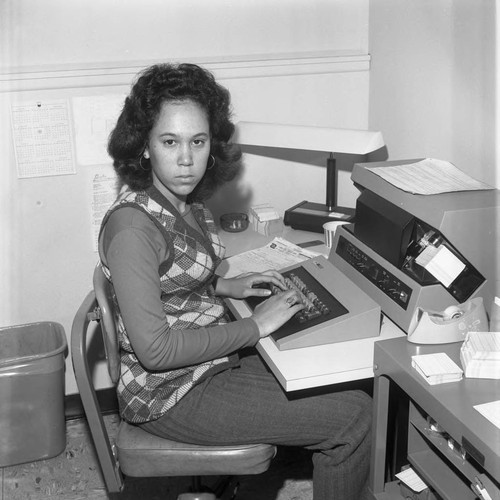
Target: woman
(183,374)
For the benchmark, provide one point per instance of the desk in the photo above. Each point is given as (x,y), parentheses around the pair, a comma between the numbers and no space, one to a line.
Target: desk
(451,406)
(313,366)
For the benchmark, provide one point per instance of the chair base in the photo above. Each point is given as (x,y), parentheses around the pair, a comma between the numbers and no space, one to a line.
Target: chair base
(202,492)
(196,496)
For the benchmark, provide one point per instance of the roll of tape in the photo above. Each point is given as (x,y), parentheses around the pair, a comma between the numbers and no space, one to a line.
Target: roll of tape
(452,312)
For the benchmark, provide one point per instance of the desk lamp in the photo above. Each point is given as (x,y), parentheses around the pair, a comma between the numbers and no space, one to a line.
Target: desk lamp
(307,215)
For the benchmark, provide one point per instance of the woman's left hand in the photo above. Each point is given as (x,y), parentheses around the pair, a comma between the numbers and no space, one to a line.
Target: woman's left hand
(247,285)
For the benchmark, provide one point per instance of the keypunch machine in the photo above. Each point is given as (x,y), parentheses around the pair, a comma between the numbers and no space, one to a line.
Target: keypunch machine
(379,251)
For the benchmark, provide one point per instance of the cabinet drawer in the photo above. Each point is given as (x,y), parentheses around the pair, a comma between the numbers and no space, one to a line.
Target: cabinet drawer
(442,462)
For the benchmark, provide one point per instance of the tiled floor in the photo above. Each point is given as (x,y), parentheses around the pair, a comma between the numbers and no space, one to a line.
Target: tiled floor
(75,475)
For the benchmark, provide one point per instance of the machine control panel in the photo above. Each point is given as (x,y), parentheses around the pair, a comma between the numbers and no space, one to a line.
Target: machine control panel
(394,288)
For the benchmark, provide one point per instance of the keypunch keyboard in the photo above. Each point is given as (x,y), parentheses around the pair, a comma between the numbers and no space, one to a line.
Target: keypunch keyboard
(320,305)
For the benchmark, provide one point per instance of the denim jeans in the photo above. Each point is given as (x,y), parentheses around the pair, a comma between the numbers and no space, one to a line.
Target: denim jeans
(247,405)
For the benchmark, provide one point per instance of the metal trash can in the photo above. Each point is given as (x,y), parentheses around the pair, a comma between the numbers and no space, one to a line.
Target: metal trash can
(32,422)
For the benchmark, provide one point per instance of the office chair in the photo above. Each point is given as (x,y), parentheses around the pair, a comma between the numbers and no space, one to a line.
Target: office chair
(135,452)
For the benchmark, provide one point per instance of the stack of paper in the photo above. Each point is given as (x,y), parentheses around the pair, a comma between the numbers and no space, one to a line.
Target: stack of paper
(437,368)
(480,355)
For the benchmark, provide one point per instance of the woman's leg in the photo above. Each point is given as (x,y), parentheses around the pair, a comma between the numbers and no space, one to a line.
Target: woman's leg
(247,405)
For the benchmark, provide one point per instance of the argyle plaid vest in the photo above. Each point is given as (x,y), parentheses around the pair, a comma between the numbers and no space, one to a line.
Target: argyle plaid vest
(188,301)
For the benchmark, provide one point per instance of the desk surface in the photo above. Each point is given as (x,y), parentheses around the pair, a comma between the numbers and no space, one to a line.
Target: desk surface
(249,240)
(319,365)
(324,364)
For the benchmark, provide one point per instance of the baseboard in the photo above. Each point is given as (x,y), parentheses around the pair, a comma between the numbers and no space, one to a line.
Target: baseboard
(73,407)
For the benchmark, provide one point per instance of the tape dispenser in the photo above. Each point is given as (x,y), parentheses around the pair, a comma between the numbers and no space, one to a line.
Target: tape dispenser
(450,325)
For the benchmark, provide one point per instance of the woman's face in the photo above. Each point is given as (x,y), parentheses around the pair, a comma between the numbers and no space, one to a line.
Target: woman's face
(178,148)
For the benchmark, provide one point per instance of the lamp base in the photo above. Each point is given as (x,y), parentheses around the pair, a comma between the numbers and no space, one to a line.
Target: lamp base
(309,216)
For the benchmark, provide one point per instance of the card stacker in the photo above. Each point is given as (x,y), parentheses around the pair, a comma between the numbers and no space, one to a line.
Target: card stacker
(336,309)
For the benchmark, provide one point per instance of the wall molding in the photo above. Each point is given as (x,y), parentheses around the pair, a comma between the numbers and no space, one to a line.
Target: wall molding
(114,74)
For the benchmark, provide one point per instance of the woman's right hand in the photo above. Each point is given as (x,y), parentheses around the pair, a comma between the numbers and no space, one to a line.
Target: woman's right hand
(276,311)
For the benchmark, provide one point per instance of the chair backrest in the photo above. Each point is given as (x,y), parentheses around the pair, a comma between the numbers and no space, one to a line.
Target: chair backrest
(91,311)
(105,299)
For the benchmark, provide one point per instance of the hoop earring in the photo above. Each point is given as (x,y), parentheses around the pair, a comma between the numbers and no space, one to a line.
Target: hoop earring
(213,162)
(140,163)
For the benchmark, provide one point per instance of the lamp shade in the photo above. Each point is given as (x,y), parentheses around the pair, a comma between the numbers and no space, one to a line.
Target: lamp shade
(335,140)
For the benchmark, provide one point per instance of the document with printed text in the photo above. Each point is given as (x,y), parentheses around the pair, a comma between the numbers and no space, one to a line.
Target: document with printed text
(277,254)
(429,176)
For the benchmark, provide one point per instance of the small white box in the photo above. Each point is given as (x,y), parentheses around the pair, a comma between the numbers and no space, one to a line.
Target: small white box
(265,220)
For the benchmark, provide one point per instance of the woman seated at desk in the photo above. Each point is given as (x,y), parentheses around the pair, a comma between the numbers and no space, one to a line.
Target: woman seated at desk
(183,372)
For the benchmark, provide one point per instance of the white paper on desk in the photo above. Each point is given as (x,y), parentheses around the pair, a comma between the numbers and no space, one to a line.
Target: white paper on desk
(429,176)
(491,411)
(412,480)
(277,255)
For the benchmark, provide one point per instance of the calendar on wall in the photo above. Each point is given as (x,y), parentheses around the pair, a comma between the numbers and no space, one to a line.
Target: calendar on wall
(42,136)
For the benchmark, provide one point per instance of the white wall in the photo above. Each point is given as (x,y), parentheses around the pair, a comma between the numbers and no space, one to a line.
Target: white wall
(79,32)
(434,84)
(295,61)
(433,81)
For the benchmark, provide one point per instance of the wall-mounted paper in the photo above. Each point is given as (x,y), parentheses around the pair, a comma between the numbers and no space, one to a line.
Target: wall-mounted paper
(42,136)
(104,193)
(95,117)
